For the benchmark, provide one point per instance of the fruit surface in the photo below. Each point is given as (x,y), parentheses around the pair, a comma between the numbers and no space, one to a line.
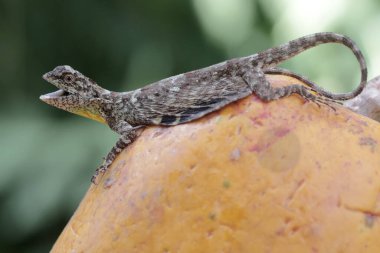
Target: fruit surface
(283,176)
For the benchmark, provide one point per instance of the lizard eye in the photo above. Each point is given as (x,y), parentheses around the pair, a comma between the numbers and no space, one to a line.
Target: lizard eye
(69,78)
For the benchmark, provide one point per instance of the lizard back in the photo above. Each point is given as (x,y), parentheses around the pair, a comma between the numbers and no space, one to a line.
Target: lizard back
(188,96)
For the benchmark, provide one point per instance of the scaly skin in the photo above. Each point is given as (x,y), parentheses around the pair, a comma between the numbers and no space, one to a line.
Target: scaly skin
(189,96)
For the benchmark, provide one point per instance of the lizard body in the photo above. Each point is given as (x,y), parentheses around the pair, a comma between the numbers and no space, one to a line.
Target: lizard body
(189,96)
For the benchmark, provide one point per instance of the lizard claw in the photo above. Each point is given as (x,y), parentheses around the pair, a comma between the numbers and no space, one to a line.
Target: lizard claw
(99,171)
(319,100)
(310,89)
(93,179)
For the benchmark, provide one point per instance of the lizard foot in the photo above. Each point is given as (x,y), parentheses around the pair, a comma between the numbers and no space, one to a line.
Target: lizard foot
(99,171)
(319,100)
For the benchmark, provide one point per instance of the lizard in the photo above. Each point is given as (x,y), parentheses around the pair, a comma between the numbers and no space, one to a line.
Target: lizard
(186,97)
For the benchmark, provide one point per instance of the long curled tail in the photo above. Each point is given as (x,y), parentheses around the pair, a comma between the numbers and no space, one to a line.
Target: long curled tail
(294,47)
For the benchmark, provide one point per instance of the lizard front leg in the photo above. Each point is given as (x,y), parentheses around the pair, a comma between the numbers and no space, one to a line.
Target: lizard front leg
(128,135)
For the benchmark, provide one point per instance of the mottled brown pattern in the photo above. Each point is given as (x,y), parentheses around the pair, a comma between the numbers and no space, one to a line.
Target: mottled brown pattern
(186,97)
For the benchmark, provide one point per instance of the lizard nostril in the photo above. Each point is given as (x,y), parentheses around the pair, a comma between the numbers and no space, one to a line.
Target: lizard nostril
(45,76)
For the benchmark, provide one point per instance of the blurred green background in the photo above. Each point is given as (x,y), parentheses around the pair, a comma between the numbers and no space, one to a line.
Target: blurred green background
(48,156)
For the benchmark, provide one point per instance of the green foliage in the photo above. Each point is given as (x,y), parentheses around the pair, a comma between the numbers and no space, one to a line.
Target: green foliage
(48,156)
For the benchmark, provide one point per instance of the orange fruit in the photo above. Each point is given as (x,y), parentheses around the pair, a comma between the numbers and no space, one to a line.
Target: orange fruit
(283,176)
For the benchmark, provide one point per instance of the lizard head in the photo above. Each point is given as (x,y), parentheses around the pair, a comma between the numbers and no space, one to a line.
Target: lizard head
(77,93)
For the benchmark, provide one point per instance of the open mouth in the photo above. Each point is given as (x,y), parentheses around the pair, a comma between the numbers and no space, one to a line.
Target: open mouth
(54,95)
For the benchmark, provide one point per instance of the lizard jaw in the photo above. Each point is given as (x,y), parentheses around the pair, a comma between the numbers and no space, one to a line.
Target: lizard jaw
(55,94)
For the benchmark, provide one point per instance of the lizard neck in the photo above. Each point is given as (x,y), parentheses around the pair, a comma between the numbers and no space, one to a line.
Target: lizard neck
(115,107)
(99,108)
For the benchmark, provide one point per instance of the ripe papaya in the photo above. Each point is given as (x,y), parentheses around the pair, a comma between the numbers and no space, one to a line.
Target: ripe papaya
(280,176)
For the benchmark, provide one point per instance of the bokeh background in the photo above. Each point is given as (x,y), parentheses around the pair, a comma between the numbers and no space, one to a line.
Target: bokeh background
(47,156)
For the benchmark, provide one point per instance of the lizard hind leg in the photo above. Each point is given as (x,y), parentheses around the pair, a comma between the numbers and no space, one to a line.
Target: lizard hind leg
(259,85)
(303,91)
(314,88)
